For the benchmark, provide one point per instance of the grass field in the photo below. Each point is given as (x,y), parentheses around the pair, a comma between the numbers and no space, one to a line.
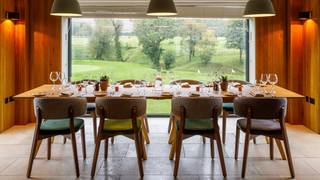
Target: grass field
(137,66)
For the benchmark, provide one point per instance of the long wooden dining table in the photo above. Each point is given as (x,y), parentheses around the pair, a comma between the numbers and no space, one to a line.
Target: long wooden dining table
(152,93)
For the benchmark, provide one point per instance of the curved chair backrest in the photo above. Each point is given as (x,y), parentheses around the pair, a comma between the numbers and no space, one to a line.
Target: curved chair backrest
(58,108)
(81,81)
(261,108)
(239,81)
(191,82)
(197,107)
(122,82)
(121,108)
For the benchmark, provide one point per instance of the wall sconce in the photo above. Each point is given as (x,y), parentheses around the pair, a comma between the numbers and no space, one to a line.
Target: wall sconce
(13,16)
(305,15)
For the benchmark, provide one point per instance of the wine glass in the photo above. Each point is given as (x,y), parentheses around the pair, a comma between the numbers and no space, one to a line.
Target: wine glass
(54,76)
(263,79)
(273,80)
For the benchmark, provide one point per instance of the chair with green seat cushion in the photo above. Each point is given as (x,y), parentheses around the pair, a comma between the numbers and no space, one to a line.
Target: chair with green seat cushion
(120,116)
(197,116)
(56,116)
(228,108)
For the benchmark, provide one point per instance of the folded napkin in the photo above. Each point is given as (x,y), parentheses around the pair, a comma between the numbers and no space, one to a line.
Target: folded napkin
(127,85)
(126,94)
(194,94)
(66,93)
(185,85)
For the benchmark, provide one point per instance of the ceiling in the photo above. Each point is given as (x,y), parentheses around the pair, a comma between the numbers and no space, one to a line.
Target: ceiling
(185,8)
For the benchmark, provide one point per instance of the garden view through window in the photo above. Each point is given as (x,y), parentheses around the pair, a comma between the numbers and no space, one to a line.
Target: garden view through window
(176,48)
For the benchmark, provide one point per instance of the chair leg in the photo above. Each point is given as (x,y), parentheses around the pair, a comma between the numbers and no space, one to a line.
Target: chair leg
(170,123)
(281,150)
(95,157)
(143,148)
(178,152)
(94,119)
(245,154)
(224,125)
(254,140)
(75,154)
(146,122)
(212,148)
(112,140)
(139,156)
(145,133)
(221,157)
(203,140)
(106,148)
(49,148)
(237,143)
(83,142)
(64,140)
(173,150)
(287,147)
(271,148)
(35,143)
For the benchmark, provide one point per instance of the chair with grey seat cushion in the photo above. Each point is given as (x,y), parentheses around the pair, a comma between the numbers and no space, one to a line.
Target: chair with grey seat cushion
(57,116)
(262,116)
(120,116)
(197,116)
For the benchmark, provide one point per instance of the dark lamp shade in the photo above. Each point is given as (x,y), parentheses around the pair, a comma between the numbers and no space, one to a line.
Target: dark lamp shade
(66,8)
(162,8)
(259,8)
(13,16)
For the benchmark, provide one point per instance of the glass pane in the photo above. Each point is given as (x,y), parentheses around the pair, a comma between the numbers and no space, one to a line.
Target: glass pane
(175,48)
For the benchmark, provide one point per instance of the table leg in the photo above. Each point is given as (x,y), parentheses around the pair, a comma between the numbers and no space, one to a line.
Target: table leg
(280,147)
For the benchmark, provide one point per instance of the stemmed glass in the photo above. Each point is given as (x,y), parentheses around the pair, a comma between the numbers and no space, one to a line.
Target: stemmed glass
(54,76)
(273,80)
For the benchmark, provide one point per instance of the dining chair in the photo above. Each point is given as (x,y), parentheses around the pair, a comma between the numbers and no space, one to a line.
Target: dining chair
(228,109)
(179,81)
(145,118)
(91,110)
(197,116)
(262,116)
(58,116)
(120,116)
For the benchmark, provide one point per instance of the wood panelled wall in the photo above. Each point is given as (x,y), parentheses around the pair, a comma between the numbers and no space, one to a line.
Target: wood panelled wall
(291,49)
(30,49)
(7,64)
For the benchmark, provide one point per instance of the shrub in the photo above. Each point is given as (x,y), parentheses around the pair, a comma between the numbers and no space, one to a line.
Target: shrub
(169,59)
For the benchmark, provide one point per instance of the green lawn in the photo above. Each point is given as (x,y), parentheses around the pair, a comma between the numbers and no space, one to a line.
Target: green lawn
(138,66)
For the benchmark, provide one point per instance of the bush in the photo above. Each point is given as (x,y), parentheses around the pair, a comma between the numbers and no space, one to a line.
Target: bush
(205,56)
(169,59)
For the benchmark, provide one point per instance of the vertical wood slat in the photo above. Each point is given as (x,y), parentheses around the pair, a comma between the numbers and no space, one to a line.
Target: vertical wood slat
(7,63)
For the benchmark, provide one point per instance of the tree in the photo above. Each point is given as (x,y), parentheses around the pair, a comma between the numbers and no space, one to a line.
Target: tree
(192,32)
(117,43)
(151,33)
(100,41)
(206,46)
(235,36)
(169,58)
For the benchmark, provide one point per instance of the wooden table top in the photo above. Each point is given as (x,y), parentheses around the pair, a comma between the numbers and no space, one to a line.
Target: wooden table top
(151,93)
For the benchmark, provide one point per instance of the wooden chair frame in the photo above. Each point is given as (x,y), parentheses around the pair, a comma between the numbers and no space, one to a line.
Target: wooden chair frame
(37,138)
(282,137)
(136,136)
(215,135)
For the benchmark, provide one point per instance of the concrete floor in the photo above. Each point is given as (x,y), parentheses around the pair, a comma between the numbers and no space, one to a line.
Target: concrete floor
(195,163)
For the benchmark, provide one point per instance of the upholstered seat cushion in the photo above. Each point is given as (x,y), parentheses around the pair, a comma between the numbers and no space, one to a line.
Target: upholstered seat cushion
(197,124)
(91,107)
(59,126)
(120,125)
(228,107)
(260,126)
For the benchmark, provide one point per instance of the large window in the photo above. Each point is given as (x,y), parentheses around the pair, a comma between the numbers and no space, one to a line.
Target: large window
(176,48)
